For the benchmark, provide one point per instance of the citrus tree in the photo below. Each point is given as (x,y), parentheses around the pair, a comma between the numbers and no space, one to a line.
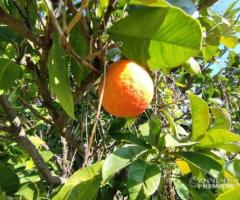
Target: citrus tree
(170,123)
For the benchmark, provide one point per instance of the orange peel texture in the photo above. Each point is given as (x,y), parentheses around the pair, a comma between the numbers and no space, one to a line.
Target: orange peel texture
(128,89)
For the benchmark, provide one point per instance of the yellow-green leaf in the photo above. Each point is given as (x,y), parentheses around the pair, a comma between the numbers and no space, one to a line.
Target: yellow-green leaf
(200,116)
(222,119)
(229,41)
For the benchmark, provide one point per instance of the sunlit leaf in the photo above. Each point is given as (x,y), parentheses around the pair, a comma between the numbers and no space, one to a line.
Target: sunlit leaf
(166,43)
(121,158)
(222,119)
(143,180)
(83,183)
(200,116)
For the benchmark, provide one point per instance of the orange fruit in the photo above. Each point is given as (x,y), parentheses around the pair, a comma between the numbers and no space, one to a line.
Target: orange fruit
(128,89)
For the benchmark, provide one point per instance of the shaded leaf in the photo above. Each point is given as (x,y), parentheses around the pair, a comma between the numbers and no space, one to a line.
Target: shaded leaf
(9,72)
(9,181)
(58,77)
(202,161)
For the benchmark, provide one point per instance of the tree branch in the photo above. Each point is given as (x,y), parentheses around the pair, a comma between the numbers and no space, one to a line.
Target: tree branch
(26,144)
(110,8)
(35,112)
(19,27)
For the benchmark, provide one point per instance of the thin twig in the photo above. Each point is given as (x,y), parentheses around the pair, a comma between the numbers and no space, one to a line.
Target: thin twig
(35,112)
(65,42)
(93,133)
(76,18)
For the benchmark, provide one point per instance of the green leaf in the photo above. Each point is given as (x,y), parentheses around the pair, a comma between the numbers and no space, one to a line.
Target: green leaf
(234,168)
(200,116)
(9,72)
(232,194)
(58,77)
(230,8)
(117,124)
(171,122)
(121,158)
(209,51)
(29,191)
(171,142)
(163,44)
(181,189)
(228,147)
(9,181)
(150,3)
(46,155)
(229,41)
(151,131)
(202,161)
(143,180)
(83,183)
(196,192)
(216,137)
(222,119)
(126,136)
(8,35)
(79,44)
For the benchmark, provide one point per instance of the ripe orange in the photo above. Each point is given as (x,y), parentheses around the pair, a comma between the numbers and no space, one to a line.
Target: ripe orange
(128,89)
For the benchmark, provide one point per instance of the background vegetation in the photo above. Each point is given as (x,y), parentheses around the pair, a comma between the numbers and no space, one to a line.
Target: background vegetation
(56,143)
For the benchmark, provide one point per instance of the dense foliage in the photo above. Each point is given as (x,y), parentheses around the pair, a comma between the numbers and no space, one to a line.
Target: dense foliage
(57,143)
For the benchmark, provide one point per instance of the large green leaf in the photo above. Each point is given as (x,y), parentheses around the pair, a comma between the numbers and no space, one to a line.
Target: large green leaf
(202,161)
(155,3)
(162,44)
(58,77)
(9,181)
(217,137)
(143,180)
(120,158)
(9,72)
(232,194)
(200,116)
(83,183)
(222,119)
